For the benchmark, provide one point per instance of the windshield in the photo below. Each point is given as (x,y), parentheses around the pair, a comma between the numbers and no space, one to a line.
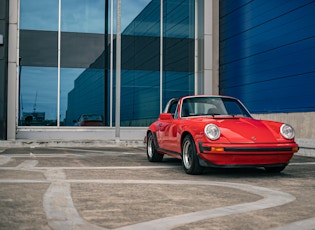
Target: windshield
(212,106)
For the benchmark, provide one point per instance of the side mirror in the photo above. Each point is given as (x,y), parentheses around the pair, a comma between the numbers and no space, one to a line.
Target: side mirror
(166,116)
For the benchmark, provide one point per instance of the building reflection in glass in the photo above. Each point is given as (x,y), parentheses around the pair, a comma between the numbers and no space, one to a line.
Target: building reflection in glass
(84,61)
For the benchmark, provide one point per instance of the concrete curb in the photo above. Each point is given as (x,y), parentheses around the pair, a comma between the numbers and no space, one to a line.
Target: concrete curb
(307,146)
(69,143)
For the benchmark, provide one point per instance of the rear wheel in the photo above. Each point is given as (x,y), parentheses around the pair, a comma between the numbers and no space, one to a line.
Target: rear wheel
(274,169)
(190,160)
(152,153)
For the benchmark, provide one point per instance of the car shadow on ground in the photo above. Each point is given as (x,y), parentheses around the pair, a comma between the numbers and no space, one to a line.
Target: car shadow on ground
(242,172)
(248,172)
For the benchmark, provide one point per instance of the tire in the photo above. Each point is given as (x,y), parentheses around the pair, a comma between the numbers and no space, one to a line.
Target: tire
(152,154)
(274,169)
(190,159)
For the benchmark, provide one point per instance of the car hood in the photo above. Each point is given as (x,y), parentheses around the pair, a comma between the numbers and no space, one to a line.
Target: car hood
(246,130)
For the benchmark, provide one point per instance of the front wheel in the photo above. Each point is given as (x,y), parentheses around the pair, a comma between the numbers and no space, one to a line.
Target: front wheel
(152,154)
(190,160)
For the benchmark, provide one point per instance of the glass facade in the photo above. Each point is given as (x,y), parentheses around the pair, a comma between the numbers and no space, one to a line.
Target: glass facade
(67,59)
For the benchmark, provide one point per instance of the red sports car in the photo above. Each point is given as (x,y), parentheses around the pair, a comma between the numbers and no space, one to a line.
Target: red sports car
(218,131)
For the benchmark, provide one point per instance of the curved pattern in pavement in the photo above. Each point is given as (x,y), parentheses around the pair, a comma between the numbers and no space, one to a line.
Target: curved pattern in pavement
(61,213)
(59,195)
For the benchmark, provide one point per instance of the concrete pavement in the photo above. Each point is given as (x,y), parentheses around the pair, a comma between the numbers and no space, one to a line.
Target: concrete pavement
(117,188)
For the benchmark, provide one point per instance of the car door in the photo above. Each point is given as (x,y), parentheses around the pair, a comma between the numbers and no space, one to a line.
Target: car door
(165,126)
(171,136)
(163,130)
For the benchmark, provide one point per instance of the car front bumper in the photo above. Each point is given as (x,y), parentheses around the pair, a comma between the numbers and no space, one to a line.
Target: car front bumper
(240,155)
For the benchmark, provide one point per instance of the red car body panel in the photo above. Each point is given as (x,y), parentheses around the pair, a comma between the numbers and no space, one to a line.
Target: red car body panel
(243,141)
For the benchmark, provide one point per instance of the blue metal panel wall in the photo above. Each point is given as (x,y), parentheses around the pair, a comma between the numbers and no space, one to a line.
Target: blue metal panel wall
(267,54)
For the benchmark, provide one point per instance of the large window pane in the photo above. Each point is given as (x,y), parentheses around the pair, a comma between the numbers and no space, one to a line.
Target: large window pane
(38,96)
(140,76)
(178,48)
(38,63)
(83,61)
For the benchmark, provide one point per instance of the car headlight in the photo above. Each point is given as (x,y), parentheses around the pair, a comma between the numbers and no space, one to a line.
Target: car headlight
(212,132)
(287,131)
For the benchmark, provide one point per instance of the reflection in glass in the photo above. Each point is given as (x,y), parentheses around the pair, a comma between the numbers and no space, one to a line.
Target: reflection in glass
(39,15)
(140,81)
(178,49)
(179,18)
(38,75)
(82,93)
(83,16)
(130,11)
(177,84)
(89,119)
(140,92)
(38,96)
(84,60)
(82,50)
(68,76)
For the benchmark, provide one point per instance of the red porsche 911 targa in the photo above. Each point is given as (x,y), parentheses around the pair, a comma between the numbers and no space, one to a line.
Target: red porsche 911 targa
(218,131)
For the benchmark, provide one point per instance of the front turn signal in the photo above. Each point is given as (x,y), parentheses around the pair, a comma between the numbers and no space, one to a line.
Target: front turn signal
(217,149)
(295,149)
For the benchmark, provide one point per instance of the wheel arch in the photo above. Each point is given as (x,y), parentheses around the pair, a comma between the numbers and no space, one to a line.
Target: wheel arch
(149,131)
(153,134)
(184,134)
